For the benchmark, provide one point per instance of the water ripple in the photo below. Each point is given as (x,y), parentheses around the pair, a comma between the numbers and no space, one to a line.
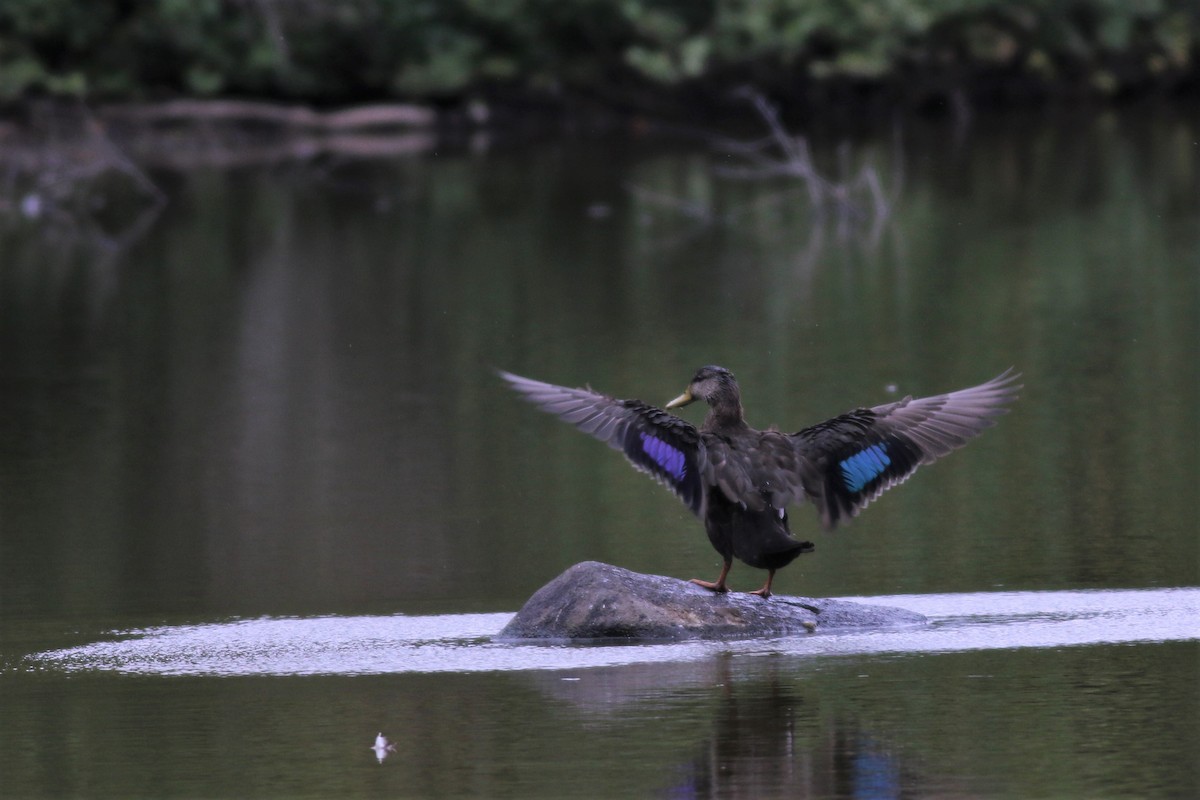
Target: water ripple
(462,642)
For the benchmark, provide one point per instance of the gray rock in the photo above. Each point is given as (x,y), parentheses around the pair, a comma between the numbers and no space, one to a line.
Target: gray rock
(592,600)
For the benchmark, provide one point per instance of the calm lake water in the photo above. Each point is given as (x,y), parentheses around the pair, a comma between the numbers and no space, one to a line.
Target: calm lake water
(262,496)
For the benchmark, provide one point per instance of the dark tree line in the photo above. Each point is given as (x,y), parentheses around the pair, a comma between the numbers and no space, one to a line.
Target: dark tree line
(340,51)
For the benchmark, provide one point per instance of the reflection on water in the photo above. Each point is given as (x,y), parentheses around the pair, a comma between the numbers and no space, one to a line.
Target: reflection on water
(840,728)
(282,401)
(277,408)
(461,643)
(760,732)
(1008,694)
(768,738)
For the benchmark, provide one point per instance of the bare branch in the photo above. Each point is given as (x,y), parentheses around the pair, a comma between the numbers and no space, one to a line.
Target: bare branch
(853,199)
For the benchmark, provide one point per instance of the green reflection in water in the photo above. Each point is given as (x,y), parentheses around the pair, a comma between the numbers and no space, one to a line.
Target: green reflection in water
(280,401)
(1074,722)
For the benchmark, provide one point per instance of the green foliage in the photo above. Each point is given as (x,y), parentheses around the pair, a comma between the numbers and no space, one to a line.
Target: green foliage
(339,50)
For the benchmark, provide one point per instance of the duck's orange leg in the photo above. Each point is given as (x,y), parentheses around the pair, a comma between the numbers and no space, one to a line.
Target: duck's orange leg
(718,585)
(765,591)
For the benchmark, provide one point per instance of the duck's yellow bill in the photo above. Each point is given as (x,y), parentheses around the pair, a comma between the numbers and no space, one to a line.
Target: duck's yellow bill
(682,400)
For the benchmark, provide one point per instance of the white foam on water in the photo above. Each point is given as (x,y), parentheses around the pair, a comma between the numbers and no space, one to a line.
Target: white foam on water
(376,645)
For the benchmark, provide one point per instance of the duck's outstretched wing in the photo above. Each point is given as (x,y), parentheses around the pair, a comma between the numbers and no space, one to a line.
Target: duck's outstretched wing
(848,461)
(654,441)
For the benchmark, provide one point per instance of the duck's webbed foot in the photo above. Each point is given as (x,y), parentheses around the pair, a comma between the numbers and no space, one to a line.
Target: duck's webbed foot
(718,585)
(765,591)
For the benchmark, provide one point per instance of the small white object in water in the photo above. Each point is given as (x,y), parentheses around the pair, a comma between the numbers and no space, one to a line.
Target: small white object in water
(382,747)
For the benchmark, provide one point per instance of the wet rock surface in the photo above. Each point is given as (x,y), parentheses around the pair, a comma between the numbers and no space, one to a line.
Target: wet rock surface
(592,600)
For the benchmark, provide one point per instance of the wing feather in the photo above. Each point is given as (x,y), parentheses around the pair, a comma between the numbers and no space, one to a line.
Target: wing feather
(658,443)
(850,460)
(842,464)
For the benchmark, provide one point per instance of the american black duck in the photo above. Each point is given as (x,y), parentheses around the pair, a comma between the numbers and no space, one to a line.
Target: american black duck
(740,481)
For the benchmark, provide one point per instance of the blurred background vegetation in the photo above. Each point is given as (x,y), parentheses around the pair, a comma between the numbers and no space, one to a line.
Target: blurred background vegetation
(625,53)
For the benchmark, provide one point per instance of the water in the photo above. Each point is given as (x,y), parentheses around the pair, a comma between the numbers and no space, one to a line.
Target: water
(914,710)
(464,642)
(262,498)
(1008,694)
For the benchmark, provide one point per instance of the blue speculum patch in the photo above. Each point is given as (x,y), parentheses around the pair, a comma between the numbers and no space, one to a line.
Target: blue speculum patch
(864,466)
(663,454)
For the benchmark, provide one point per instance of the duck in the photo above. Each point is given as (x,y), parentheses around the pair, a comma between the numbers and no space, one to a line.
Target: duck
(740,481)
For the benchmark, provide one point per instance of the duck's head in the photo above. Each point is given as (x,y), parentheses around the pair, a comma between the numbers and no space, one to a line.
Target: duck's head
(714,385)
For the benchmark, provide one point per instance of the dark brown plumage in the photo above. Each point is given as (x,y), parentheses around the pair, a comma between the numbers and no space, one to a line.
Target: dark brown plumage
(740,481)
